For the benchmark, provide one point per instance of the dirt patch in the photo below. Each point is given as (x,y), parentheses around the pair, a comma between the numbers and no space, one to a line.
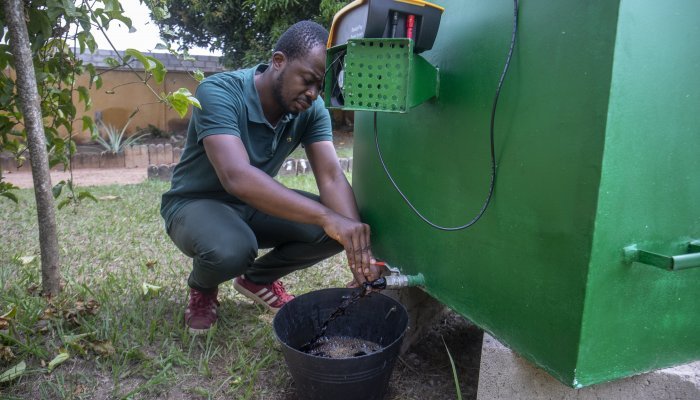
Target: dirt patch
(425,372)
(81,177)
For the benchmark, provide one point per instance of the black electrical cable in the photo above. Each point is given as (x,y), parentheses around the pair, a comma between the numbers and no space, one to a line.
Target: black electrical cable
(341,54)
(493,146)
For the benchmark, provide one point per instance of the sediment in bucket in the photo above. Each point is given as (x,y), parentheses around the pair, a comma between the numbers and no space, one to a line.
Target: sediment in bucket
(375,318)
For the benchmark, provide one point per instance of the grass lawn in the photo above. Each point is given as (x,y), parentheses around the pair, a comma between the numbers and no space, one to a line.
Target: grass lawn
(342,140)
(116,331)
(123,338)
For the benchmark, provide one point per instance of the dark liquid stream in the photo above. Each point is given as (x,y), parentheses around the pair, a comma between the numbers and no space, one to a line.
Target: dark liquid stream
(319,340)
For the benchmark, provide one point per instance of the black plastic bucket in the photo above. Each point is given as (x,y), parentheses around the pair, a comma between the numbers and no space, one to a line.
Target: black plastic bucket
(376,318)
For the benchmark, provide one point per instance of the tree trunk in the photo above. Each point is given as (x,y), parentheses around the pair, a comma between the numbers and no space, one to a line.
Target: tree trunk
(36,141)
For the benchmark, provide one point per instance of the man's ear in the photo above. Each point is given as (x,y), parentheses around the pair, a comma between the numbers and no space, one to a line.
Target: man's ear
(279,59)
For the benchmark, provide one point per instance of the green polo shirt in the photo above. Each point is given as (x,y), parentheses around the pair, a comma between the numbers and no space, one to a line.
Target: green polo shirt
(231,106)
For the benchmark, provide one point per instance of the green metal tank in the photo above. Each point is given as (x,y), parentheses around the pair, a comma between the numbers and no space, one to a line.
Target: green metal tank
(598,148)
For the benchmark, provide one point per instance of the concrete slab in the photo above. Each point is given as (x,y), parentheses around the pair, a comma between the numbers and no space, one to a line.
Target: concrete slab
(505,375)
(79,161)
(165,172)
(136,156)
(156,154)
(344,164)
(177,153)
(289,167)
(167,153)
(92,160)
(110,160)
(152,171)
(303,167)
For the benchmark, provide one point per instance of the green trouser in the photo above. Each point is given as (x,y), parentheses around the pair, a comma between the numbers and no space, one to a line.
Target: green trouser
(223,242)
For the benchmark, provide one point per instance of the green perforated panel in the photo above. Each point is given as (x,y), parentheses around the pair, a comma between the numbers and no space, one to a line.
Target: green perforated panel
(378,75)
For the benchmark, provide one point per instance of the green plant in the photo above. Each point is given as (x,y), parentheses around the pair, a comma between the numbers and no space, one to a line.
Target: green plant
(454,370)
(114,141)
(6,189)
(155,132)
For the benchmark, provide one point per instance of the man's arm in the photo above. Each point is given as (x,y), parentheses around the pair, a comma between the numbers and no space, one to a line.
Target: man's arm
(336,194)
(230,160)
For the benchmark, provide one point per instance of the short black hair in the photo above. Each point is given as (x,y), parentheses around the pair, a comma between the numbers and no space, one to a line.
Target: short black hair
(300,38)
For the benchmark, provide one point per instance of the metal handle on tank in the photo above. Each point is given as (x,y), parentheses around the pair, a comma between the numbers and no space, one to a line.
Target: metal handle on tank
(669,263)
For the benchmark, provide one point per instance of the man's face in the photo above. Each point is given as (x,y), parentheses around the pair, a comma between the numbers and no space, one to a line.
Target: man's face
(299,81)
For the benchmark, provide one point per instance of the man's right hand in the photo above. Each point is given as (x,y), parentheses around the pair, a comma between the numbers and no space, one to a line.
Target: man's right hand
(355,238)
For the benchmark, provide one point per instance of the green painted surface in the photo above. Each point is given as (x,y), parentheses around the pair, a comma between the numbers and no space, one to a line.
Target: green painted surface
(381,74)
(542,270)
(639,317)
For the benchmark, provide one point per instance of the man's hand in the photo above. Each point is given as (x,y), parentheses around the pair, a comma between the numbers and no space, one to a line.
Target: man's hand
(344,224)
(355,238)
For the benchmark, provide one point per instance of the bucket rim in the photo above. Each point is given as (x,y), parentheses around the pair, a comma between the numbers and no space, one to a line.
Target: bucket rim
(393,343)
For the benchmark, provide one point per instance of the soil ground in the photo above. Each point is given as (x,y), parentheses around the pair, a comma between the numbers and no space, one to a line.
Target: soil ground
(82,177)
(424,371)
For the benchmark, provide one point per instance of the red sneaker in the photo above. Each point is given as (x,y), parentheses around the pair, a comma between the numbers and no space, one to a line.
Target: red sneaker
(200,313)
(273,295)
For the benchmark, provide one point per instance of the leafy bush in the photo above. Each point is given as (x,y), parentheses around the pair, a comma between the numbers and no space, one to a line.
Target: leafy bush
(6,189)
(154,132)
